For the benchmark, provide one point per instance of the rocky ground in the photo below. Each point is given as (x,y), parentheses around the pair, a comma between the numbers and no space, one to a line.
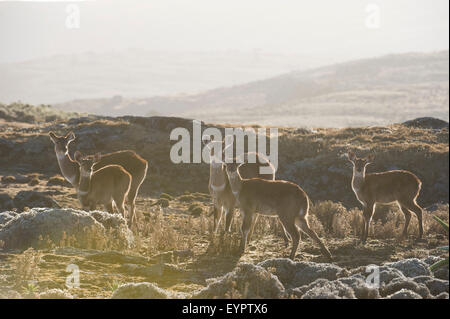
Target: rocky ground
(173,253)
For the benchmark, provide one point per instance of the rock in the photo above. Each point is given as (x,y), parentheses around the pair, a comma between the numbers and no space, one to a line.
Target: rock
(441,273)
(360,288)
(55,294)
(29,228)
(399,285)
(325,289)
(431,260)
(442,295)
(436,286)
(245,281)
(297,274)
(6,217)
(143,290)
(6,202)
(348,287)
(283,268)
(58,181)
(34,199)
(427,122)
(387,274)
(404,294)
(16,179)
(113,222)
(412,267)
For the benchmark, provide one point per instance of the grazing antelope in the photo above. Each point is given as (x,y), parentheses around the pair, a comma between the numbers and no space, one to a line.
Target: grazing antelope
(279,198)
(224,201)
(129,160)
(109,183)
(398,186)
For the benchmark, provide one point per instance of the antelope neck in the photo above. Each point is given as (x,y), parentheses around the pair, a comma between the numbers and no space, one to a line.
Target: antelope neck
(236,186)
(357,183)
(217,175)
(68,167)
(85,183)
(358,178)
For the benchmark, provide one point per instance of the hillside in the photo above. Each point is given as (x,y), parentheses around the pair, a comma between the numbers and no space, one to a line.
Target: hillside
(173,252)
(25,113)
(314,159)
(134,73)
(388,89)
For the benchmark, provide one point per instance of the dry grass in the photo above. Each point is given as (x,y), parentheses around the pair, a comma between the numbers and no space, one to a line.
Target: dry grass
(334,220)
(26,267)
(165,234)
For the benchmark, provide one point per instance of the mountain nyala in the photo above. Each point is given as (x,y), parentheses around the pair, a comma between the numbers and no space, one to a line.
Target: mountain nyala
(279,198)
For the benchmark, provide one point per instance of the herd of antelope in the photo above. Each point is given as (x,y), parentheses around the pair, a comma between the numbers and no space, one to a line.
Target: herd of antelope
(115,178)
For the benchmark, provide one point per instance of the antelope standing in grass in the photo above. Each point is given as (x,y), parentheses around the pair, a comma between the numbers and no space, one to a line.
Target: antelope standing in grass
(224,202)
(279,198)
(398,186)
(129,160)
(106,185)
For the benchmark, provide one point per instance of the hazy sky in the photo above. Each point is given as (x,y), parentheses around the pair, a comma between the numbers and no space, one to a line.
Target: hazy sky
(327,28)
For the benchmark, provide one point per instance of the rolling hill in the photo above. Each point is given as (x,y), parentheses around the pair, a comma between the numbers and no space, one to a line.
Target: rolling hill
(376,91)
(135,73)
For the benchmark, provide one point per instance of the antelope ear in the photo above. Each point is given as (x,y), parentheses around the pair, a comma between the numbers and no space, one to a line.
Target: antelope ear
(97,157)
(52,137)
(77,156)
(370,158)
(351,156)
(70,137)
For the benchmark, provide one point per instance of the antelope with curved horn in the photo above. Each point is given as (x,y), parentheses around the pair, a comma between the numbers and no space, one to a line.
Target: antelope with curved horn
(398,186)
(279,198)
